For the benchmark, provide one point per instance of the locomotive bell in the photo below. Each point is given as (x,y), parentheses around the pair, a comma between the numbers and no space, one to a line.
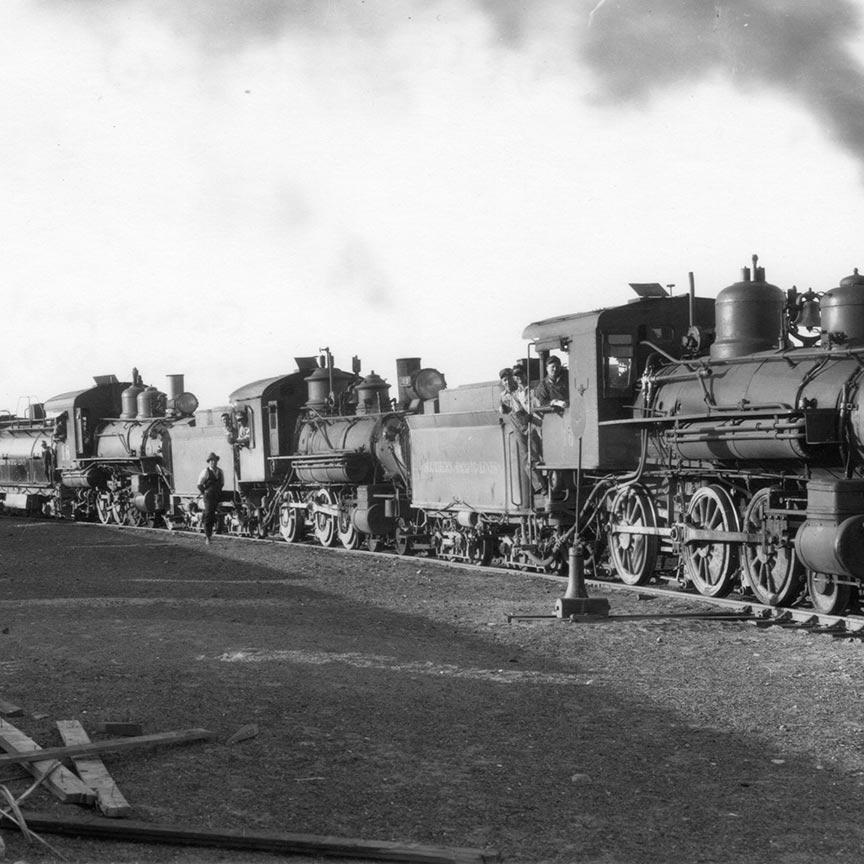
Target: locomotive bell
(749,316)
(811,316)
(843,310)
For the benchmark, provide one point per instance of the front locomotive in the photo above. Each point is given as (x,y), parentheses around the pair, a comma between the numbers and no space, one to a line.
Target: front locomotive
(755,472)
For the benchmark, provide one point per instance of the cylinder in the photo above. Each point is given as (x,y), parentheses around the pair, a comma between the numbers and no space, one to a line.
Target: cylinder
(373,519)
(83,478)
(825,546)
(145,502)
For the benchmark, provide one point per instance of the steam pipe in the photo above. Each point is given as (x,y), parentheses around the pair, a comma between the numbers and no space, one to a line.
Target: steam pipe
(692,298)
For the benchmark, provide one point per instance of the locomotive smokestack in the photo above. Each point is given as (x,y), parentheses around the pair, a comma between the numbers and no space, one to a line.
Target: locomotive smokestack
(175,388)
(175,385)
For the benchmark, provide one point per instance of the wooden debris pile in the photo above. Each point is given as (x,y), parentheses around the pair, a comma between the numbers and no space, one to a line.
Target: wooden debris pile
(91,784)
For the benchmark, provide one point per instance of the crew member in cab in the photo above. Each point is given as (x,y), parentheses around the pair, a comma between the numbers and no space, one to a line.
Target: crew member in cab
(554,390)
(513,404)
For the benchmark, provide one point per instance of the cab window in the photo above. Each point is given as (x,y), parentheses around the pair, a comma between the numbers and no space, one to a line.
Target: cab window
(617,363)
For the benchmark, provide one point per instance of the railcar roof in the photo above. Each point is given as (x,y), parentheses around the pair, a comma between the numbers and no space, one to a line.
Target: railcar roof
(67,397)
(561,325)
(64,400)
(258,388)
(547,332)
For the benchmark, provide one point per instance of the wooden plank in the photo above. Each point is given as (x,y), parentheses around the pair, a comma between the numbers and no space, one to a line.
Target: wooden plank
(112,745)
(62,782)
(129,831)
(92,770)
(121,729)
(10,709)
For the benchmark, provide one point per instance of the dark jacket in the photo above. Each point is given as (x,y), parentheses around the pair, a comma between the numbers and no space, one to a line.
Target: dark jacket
(211,481)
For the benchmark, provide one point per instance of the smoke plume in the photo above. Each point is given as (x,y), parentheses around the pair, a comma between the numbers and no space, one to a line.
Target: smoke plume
(794,46)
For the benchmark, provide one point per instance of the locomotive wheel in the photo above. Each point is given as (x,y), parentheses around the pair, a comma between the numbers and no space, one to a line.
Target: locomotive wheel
(480,550)
(772,567)
(710,564)
(134,517)
(633,555)
(291,523)
(402,541)
(258,523)
(325,525)
(374,543)
(827,595)
(106,509)
(349,536)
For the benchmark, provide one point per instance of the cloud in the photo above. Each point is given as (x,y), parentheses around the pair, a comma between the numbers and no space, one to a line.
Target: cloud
(796,46)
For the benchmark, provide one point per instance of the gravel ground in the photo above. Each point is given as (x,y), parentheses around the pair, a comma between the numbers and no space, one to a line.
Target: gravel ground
(395,702)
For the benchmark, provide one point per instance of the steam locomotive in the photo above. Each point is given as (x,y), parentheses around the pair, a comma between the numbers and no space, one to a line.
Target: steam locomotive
(718,442)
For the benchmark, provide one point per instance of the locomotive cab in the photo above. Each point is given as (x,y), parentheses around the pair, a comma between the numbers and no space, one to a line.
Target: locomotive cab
(263,422)
(79,412)
(606,352)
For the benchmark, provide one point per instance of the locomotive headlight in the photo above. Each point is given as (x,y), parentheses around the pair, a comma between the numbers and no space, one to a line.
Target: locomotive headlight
(186,403)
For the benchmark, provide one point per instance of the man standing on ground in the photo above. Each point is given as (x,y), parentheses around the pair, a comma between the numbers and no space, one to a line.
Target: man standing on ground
(210,485)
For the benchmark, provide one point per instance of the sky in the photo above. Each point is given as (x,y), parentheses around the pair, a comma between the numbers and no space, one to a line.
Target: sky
(215,187)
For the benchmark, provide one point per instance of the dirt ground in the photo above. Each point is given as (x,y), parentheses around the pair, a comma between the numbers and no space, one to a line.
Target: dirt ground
(395,702)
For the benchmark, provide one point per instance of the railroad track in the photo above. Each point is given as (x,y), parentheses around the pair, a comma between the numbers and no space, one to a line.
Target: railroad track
(735,607)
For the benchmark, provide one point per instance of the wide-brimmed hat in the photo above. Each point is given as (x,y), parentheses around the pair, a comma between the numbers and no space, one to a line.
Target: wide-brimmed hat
(212,458)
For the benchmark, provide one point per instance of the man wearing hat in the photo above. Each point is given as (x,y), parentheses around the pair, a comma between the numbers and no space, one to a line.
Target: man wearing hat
(210,484)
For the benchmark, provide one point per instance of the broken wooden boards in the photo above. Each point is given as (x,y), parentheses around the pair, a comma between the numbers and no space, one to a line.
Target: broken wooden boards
(95,785)
(92,770)
(112,745)
(61,781)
